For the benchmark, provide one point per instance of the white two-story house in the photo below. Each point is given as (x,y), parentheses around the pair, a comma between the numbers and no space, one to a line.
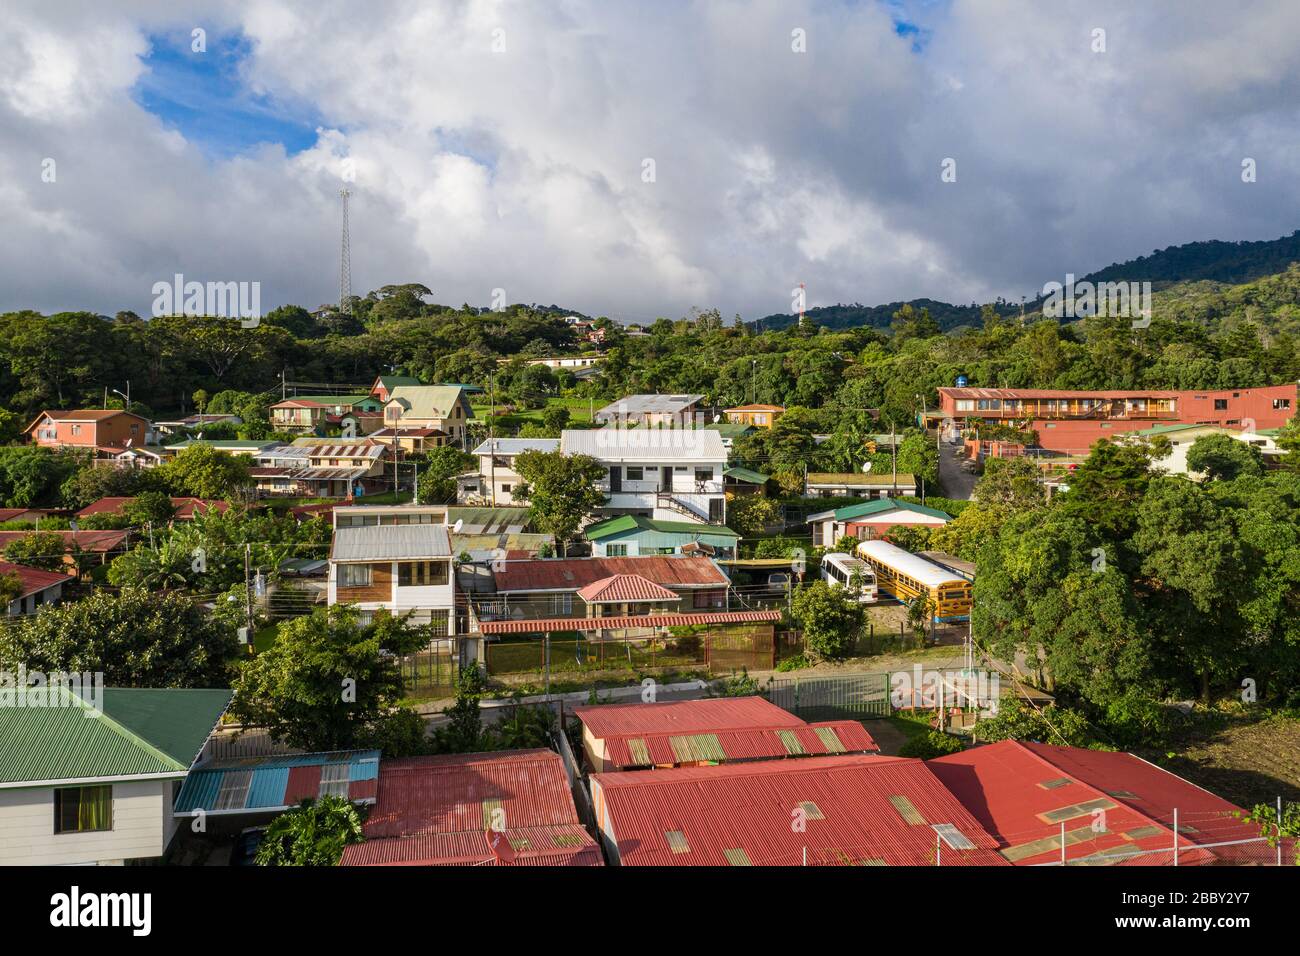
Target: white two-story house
(402,564)
(664,473)
(497,479)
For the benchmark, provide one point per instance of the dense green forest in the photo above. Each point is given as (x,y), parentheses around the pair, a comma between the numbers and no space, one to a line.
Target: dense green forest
(1209,269)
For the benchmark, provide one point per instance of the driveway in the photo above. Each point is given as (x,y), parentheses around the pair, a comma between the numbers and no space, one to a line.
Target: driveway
(956,482)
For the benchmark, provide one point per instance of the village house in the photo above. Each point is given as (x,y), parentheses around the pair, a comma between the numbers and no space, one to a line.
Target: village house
(1070,421)
(651,411)
(512,807)
(497,479)
(697,733)
(332,469)
(444,408)
(863,810)
(38,587)
(404,566)
(871,519)
(1182,437)
(1030,795)
(759,416)
(854,484)
(79,788)
(629,536)
(596,587)
(667,474)
(104,431)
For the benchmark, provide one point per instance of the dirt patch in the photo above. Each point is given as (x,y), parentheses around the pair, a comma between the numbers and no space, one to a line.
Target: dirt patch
(1246,762)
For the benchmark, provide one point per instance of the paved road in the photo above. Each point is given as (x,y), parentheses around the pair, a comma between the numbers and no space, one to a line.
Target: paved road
(956,482)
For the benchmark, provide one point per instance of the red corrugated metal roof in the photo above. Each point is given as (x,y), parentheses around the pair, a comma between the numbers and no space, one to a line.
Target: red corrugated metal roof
(1013,788)
(434,810)
(686,717)
(303,782)
(751,812)
(185,507)
(563,845)
(619,588)
(96,541)
(33,579)
(570,574)
(1033,393)
(554,624)
(752,744)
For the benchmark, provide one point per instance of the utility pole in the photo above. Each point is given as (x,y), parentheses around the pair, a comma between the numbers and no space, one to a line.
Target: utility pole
(492,442)
(248,595)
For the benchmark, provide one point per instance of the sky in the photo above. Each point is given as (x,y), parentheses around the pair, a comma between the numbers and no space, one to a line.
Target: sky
(633,159)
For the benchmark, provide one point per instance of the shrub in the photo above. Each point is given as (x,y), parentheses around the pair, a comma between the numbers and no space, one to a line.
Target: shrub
(934,743)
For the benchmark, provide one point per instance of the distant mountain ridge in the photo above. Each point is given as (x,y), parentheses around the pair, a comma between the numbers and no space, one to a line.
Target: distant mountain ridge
(1231,263)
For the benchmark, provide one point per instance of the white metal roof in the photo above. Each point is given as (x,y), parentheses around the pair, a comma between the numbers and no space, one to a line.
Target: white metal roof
(646,444)
(391,542)
(917,568)
(513,446)
(652,404)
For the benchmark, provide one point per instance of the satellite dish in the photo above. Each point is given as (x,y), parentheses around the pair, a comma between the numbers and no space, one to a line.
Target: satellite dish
(460,523)
(199,437)
(716,419)
(866,467)
(128,442)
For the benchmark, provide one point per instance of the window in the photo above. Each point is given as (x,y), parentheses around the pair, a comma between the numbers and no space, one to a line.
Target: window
(76,429)
(562,604)
(1220,404)
(234,790)
(703,474)
(354,575)
(505,488)
(965,405)
(1281,403)
(709,599)
(635,473)
(334,780)
(616,551)
(83,809)
(421,574)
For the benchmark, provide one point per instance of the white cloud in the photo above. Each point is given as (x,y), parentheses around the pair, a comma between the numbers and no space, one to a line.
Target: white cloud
(522,169)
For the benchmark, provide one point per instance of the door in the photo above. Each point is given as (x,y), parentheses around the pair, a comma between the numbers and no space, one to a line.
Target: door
(615,478)
(666,478)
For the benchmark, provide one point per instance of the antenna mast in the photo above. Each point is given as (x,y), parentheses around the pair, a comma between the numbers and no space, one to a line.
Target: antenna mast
(345,265)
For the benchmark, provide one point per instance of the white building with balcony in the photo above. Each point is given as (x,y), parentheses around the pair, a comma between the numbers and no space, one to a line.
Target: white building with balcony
(665,473)
(404,568)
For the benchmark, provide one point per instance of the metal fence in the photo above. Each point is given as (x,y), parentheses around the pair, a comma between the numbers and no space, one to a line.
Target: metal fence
(753,648)
(432,671)
(854,697)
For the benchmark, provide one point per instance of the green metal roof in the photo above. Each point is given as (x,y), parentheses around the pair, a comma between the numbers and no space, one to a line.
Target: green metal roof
(1164,429)
(635,524)
(848,512)
(139,732)
(746,475)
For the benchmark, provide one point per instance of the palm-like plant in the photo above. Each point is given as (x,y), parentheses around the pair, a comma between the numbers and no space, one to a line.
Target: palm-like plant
(313,833)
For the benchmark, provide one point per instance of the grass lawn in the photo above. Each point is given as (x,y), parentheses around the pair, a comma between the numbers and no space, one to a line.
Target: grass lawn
(580,410)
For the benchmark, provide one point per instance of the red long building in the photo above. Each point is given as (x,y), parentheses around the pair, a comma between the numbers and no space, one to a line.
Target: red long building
(1071,421)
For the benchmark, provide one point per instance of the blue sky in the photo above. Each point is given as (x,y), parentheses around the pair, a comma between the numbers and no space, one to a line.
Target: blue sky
(204,96)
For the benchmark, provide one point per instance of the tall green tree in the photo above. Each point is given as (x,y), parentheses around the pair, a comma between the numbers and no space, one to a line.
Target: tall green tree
(326,678)
(136,638)
(561,491)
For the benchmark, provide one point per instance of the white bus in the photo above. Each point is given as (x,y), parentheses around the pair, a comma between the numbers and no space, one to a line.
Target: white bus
(841,570)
